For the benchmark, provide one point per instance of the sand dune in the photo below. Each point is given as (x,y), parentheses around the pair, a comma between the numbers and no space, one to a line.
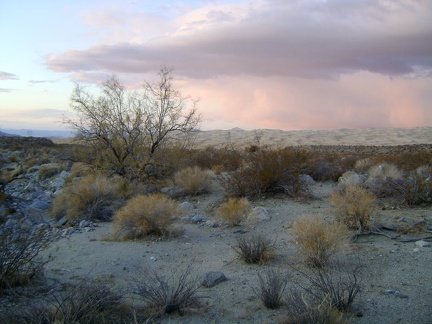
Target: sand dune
(280,138)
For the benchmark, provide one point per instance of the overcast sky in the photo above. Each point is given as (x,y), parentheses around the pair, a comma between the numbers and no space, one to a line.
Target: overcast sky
(285,64)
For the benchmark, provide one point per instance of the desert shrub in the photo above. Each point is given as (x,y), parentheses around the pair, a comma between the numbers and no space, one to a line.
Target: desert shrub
(416,188)
(354,207)
(82,302)
(167,294)
(227,158)
(93,197)
(47,170)
(267,171)
(381,179)
(193,180)
(302,310)
(145,215)
(339,286)
(271,287)
(326,166)
(255,249)
(234,211)
(20,259)
(318,241)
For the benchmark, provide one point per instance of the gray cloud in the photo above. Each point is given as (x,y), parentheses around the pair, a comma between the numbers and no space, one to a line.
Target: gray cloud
(7,76)
(5,90)
(279,38)
(42,81)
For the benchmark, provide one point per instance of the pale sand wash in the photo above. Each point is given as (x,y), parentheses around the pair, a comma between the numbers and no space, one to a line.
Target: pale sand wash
(388,264)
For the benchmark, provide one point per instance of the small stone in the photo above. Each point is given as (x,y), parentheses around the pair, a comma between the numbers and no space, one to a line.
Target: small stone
(416,250)
(196,219)
(84,223)
(212,278)
(422,243)
(152,258)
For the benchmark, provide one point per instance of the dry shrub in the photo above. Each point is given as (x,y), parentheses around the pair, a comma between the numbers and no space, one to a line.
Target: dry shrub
(267,171)
(271,287)
(145,215)
(20,259)
(93,197)
(166,295)
(382,178)
(318,241)
(339,286)
(416,189)
(255,249)
(47,170)
(234,211)
(193,180)
(354,207)
(301,310)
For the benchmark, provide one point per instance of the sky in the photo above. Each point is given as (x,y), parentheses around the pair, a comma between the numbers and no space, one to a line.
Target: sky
(253,64)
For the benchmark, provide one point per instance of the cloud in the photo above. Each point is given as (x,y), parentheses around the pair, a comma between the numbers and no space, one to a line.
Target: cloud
(42,81)
(5,90)
(7,76)
(305,39)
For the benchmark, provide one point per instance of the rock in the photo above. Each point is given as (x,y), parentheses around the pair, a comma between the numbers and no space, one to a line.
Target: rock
(41,205)
(422,243)
(397,293)
(84,223)
(196,219)
(259,214)
(186,205)
(62,221)
(68,231)
(306,179)
(35,214)
(212,278)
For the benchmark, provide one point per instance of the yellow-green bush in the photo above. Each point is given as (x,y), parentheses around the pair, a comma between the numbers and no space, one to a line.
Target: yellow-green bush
(145,215)
(234,211)
(354,207)
(92,197)
(317,240)
(193,180)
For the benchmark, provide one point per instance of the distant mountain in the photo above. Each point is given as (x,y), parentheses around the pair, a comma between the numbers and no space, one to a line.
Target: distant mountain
(5,134)
(38,133)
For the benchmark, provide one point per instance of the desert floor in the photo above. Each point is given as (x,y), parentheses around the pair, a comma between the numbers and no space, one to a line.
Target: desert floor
(387,264)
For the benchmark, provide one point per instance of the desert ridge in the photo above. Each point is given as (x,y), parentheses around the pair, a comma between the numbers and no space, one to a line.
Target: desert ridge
(280,138)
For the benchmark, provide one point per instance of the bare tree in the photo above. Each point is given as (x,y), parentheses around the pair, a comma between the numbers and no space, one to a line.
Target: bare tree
(128,127)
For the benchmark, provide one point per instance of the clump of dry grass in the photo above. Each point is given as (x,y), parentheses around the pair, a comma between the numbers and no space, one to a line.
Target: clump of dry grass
(354,207)
(234,211)
(145,215)
(272,284)
(318,241)
(48,170)
(193,180)
(93,197)
(255,249)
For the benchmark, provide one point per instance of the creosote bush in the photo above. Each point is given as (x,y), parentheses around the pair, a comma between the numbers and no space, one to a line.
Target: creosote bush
(193,180)
(167,294)
(93,197)
(272,284)
(416,189)
(145,215)
(354,207)
(255,249)
(267,171)
(317,240)
(234,211)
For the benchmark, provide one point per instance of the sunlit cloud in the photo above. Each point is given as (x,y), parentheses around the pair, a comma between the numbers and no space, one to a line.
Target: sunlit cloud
(8,76)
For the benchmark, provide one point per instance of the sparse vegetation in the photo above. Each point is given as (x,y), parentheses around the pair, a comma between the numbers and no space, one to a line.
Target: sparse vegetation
(93,197)
(318,241)
(416,189)
(20,259)
(271,286)
(354,207)
(255,249)
(234,211)
(193,180)
(166,295)
(145,215)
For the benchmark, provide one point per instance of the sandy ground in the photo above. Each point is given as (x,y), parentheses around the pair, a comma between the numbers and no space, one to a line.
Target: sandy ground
(388,264)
